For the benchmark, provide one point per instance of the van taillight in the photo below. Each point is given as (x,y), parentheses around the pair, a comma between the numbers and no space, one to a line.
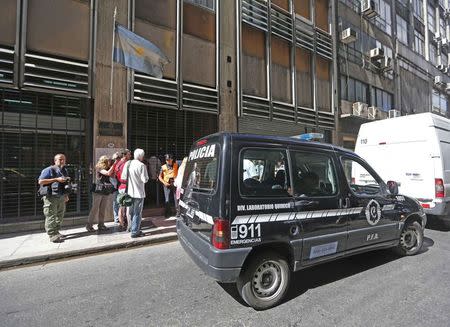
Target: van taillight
(439,187)
(220,237)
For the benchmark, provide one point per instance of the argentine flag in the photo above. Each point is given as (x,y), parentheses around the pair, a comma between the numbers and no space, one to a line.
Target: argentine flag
(135,52)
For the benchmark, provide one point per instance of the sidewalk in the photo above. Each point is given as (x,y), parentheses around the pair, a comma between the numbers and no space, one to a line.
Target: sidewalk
(24,248)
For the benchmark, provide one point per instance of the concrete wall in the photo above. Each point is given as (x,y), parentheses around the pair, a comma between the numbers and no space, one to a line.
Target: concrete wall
(103,111)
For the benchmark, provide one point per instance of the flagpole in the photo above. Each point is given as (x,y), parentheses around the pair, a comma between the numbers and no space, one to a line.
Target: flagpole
(112,57)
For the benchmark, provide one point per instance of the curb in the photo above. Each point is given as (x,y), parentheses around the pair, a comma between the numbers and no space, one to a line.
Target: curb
(74,253)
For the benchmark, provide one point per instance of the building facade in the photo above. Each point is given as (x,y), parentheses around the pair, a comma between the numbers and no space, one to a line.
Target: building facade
(396,65)
(253,66)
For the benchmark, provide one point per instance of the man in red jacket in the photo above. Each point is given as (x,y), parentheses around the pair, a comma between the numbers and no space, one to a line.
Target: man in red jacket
(118,170)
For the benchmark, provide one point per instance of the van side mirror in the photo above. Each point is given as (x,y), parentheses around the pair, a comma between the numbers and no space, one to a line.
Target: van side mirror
(392,187)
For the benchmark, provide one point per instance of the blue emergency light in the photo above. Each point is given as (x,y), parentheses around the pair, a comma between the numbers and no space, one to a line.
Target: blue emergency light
(309,137)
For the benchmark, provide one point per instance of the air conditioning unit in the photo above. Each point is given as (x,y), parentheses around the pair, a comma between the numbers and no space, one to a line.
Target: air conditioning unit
(368,8)
(360,109)
(447,12)
(348,36)
(447,88)
(372,113)
(386,64)
(440,67)
(437,36)
(376,53)
(438,80)
(444,41)
(394,113)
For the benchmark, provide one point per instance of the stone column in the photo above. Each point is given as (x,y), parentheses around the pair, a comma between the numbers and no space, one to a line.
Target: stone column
(113,118)
(228,92)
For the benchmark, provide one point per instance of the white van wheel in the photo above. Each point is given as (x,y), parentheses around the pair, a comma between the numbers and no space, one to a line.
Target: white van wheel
(264,281)
(411,239)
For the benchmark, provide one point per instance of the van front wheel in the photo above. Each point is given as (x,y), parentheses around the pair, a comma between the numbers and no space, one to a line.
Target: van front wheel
(411,239)
(264,282)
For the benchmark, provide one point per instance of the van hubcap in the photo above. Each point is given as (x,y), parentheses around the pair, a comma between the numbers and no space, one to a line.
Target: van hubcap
(267,280)
(409,239)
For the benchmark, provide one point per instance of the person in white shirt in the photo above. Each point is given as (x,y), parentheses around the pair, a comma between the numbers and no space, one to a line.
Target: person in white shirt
(136,174)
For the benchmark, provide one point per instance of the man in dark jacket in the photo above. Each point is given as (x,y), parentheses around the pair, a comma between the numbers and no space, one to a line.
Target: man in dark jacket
(53,181)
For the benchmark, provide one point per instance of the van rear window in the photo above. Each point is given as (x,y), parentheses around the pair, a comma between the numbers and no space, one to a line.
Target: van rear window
(200,174)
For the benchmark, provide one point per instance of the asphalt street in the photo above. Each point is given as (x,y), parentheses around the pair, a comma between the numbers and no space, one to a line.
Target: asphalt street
(160,286)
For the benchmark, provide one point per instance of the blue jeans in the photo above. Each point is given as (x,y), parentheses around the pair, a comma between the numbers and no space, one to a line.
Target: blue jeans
(115,207)
(135,211)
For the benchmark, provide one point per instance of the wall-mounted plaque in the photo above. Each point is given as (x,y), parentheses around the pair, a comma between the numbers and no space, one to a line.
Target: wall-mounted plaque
(110,129)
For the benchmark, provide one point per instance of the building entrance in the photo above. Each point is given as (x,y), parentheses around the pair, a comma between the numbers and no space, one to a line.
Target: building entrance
(160,131)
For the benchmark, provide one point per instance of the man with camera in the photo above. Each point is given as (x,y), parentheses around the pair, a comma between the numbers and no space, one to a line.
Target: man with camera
(55,188)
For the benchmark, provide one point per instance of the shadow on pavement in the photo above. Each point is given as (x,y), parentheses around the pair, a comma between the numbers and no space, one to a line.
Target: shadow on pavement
(320,275)
(437,225)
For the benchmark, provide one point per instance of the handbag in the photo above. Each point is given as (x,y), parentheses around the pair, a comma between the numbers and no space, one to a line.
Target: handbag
(103,186)
(124,199)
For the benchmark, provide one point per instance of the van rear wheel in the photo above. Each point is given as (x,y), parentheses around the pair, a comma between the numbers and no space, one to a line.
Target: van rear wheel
(411,239)
(264,281)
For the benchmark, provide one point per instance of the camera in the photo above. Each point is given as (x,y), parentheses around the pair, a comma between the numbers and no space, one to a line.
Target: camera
(65,188)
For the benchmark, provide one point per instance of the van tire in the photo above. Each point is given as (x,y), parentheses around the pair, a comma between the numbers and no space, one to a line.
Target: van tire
(411,239)
(264,294)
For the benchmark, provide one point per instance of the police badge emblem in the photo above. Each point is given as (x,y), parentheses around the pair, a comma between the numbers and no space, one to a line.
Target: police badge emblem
(373,212)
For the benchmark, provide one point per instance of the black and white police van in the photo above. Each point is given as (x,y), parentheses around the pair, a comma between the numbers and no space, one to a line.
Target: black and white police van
(256,208)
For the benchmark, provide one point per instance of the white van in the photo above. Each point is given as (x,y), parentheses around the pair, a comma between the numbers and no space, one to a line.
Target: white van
(414,151)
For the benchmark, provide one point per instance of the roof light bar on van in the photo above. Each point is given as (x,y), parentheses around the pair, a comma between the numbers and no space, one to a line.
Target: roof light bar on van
(439,187)
(309,136)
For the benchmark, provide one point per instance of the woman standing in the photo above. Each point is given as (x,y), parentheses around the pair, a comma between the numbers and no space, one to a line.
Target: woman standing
(102,195)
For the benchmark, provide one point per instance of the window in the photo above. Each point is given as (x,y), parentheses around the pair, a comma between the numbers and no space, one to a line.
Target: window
(402,30)
(282,4)
(383,21)
(418,9)
(431,18)
(264,173)
(419,43)
(354,90)
(442,27)
(444,59)
(254,73)
(8,22)
(210,4)
(433,54)
(303,8)
(281,70)
(381,99)
(156,21)
(360,180)
(321,11)
(323,67)
(440,102)
(313,174)
(303,62)
(199,45)
(200,174)
(64,20)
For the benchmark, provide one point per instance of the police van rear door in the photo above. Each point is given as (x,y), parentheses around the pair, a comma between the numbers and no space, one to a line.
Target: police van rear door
(199,203)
